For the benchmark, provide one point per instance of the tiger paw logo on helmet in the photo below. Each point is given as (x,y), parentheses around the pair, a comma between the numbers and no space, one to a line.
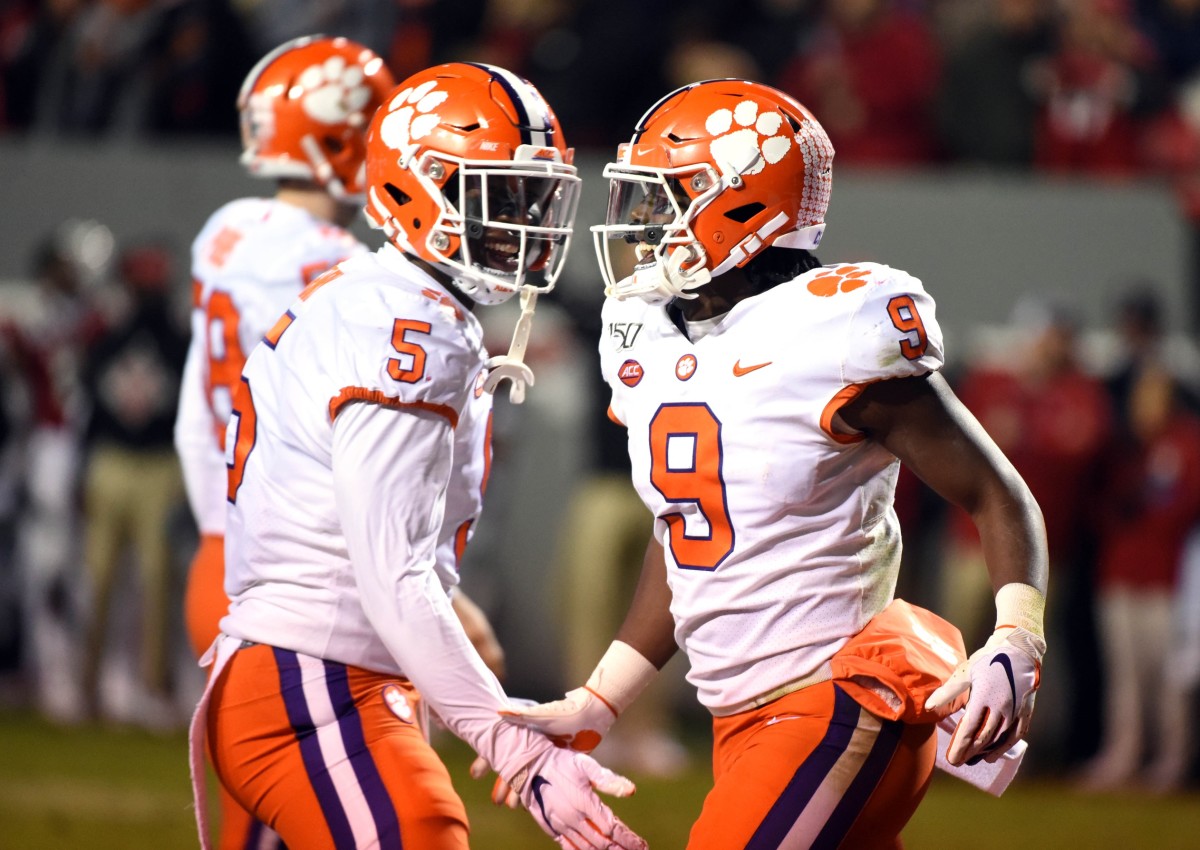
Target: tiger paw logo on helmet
(334,90)
(411,117)
(756,141)
(840,279)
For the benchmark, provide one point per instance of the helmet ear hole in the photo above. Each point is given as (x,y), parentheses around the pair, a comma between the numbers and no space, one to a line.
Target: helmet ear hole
(745,212)
(397,195)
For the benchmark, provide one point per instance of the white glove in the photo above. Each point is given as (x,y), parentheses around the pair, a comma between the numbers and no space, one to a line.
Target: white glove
(1002,678)
(559,790)
(581,719)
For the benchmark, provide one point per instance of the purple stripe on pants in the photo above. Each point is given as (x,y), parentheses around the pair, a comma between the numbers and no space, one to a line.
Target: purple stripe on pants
(292,689)
(809,776)
(860,790)
(387,826)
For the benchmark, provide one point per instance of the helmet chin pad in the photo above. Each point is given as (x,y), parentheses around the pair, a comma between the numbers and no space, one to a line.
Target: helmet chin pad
(670,274)
(479,286)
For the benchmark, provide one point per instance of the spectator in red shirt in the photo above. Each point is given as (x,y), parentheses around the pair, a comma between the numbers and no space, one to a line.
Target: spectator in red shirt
(1151,505)
(1094,90)
(871,71)
(1053,420)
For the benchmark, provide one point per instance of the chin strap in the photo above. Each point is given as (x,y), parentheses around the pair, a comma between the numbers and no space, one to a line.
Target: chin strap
(512,365)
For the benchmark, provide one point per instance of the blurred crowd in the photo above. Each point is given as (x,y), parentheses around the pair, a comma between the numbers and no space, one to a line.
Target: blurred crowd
(1104,423)
(1100,86)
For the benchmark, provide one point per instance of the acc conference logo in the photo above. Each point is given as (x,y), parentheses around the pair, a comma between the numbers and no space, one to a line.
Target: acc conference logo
(631,373)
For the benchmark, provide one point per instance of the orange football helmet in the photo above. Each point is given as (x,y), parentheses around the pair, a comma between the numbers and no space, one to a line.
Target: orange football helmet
(716,171)
(304,113)
(467,169)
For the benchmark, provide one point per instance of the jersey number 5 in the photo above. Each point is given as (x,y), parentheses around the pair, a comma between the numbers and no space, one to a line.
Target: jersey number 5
(685,467)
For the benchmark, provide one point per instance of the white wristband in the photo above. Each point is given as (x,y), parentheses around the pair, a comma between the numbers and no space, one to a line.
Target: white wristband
(1022,606)
(621,675)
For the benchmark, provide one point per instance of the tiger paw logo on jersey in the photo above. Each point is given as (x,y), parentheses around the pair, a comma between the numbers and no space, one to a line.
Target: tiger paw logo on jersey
(411,117)
(397,701)
(685,367)
(840,279)
(333,90)
(753,144)
(631,373)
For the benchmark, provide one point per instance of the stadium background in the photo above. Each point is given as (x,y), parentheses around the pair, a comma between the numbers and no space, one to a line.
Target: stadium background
(983,236)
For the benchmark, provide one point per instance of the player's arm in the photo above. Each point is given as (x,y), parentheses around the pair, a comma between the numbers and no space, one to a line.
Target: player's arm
(390,469)
(479,631)
(644,643)
(924,424)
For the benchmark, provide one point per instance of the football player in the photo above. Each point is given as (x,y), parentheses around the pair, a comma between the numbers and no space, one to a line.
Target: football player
(358,448)
(304,112)
(769,402)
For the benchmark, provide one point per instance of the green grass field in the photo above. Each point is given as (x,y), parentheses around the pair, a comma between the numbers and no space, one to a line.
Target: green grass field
(109,789)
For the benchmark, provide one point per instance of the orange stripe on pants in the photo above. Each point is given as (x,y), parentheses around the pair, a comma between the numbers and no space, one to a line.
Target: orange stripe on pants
(330,756)
(813,769)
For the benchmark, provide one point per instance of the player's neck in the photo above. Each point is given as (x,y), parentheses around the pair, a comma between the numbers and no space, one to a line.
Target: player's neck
(717,297)
(316,201)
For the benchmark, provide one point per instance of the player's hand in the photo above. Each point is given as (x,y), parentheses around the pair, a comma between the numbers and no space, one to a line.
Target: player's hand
(579,720)
(559,790)
(1002,679)
(502,794)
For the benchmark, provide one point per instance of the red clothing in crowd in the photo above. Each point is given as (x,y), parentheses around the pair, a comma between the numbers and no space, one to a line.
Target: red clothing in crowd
(1054,432)
(1152,504)
(872,88)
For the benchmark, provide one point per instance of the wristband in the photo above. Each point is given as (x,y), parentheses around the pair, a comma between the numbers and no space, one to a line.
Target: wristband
(621,675)
(1021,606)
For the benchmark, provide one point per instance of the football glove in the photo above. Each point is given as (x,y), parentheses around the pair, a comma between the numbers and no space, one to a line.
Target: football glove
(559,790)
(1002,679)
(582,718)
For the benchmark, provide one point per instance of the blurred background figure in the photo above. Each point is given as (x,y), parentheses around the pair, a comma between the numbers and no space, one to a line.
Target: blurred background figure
(871,70)
(1052,419)
(1151,504)
(986,108)
(132,482)
(47,343)
(1095,87)
(10,580)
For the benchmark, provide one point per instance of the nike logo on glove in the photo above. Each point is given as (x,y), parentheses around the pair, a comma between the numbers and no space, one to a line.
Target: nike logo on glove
(739,369)
(1003,661)
(535,785)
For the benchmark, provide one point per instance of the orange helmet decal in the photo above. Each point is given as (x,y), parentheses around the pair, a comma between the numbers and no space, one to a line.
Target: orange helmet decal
(304,112)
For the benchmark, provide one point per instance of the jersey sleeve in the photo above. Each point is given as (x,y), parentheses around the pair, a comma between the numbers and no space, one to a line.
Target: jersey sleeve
(390,474)
(893,332)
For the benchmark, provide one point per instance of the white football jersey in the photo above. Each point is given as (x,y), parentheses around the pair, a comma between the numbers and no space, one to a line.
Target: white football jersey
(249,262)
(358,450)
(780,536)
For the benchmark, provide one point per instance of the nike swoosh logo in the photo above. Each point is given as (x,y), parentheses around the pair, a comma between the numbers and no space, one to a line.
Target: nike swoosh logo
(1006,663)
(535,785)
(739,369)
